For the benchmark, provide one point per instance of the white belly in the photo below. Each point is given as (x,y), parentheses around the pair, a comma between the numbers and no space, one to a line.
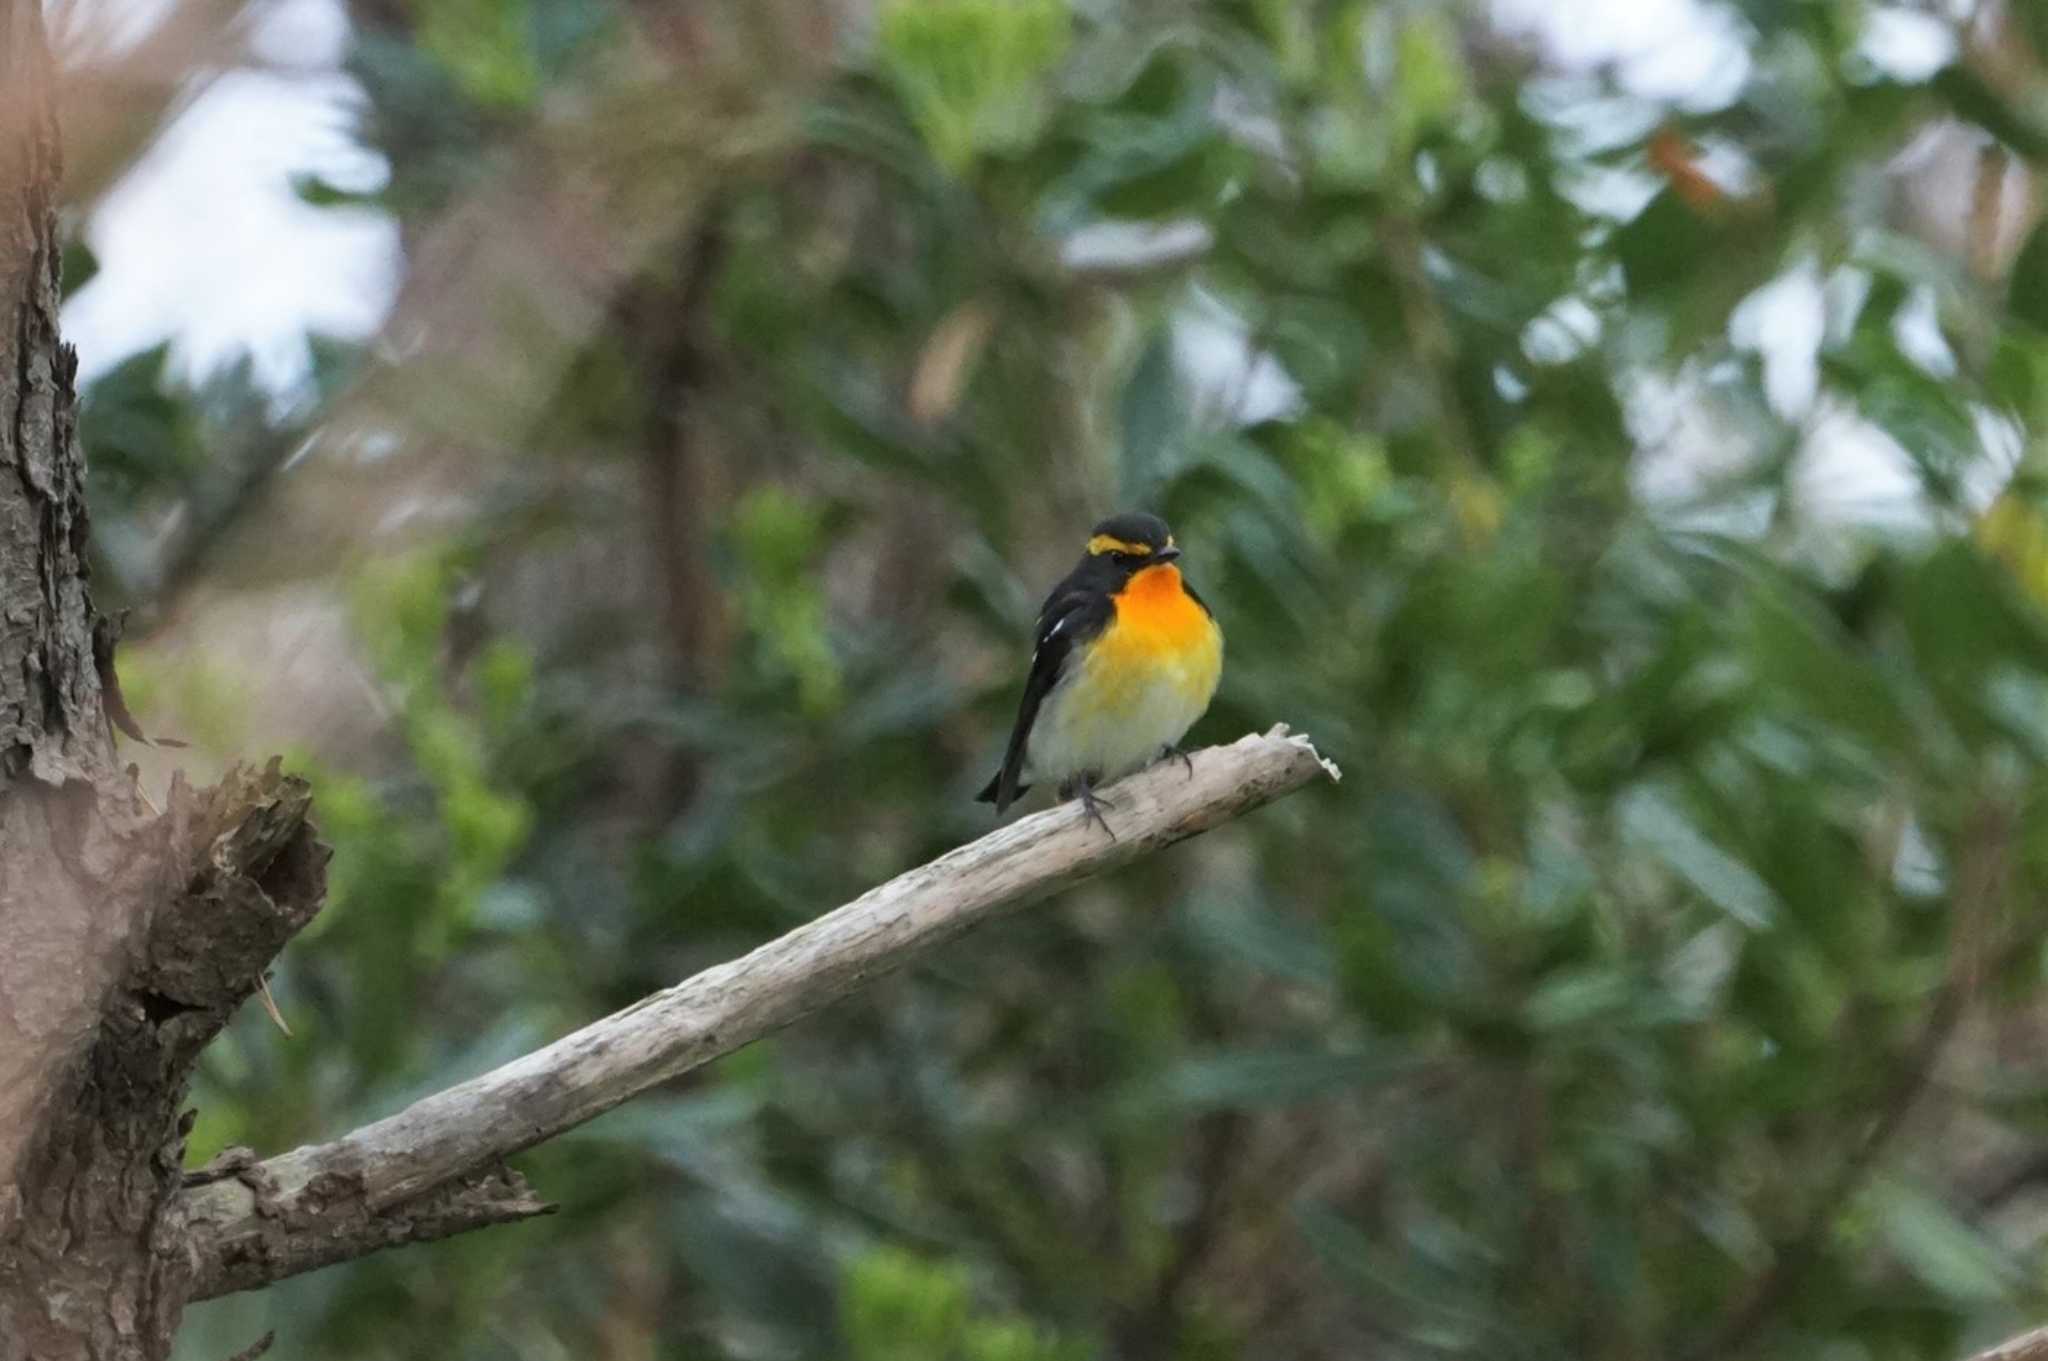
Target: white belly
(1113,719)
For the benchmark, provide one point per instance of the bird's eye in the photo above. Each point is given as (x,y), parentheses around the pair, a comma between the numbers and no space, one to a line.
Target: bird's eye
(1127,559)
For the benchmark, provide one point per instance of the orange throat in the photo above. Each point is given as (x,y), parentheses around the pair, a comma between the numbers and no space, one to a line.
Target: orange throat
(1158,612)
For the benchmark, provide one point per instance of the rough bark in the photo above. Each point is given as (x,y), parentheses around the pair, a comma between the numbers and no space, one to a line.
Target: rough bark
(49,690)
(64,930)
(126,938)
(181,913)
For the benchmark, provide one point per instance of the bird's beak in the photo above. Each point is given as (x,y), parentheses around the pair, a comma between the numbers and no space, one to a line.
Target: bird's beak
(1166,554)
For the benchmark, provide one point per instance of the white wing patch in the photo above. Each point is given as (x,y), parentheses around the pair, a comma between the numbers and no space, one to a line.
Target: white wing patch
(1050,634)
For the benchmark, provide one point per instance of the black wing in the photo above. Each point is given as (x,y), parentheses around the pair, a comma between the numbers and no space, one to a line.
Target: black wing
(1070,616)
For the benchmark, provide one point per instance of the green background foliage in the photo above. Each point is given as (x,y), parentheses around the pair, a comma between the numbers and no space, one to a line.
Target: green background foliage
(1665,977)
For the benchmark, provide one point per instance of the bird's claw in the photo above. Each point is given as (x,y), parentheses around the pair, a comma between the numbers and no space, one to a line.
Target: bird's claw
(1092,805)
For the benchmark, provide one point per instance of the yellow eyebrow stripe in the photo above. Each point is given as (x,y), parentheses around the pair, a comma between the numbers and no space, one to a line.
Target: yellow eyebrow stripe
(1105,543)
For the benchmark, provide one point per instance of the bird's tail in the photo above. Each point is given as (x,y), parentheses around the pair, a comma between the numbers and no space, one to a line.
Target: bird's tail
(992,793)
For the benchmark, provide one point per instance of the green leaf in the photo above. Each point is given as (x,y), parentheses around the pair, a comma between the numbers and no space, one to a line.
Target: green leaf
(1277,1078)
(78,267)
(2027,292)
(2032,16)
(1153,416)
(972,73)
(486,47)
(1652,819)
(1939,1248)
(1577,997)
(1974,101)
(321,192)
(1662,245)
(1257,934)
(899,1307)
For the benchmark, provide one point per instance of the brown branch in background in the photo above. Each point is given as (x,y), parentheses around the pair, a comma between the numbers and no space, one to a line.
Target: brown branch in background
(1153,1333)
(1986,195)
(679,476)
(666,323)
(330,1202)
(1999,1185)
(1431,337)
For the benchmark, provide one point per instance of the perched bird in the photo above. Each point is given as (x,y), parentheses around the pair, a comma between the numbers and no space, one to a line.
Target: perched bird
(1126,659)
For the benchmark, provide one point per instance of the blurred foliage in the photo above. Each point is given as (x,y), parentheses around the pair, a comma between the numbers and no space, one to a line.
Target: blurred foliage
(1664,979)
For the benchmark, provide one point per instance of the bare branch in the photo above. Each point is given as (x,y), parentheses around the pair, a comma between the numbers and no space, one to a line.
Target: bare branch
(334,1199)
(330,1220)
(2029,1346)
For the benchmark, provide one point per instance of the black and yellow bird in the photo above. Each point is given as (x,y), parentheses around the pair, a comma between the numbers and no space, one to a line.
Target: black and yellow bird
(1126,659)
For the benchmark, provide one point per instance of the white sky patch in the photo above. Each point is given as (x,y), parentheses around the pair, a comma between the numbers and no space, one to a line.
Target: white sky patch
(1905,45)
(1684,52)
(1784,322)
(1844,294)
(205,242)
(1691,454)
(1916,329)
(300,33)
(1213,351)
(1565,330)
(1112,246)
(1850,473)
(2004,442)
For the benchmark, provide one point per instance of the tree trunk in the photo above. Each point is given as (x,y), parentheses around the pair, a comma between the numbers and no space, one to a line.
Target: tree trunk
(76,1278)
(126,939)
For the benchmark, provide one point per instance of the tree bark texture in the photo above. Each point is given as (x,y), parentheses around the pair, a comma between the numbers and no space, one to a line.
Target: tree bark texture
(126,938)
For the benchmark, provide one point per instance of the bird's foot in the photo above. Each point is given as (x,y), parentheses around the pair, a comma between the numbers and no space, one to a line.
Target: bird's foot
(1092,803)
(1174,753)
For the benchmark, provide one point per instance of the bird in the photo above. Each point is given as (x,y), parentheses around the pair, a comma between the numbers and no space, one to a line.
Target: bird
(1125,658)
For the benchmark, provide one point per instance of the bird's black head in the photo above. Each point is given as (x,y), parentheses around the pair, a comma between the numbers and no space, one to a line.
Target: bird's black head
(1128,543)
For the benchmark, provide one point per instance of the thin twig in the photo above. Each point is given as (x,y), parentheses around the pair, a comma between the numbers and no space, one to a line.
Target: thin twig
(1986,197)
